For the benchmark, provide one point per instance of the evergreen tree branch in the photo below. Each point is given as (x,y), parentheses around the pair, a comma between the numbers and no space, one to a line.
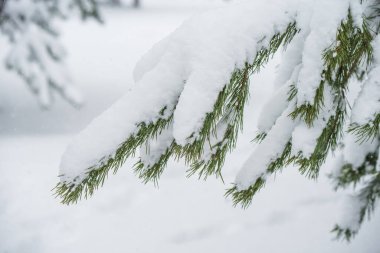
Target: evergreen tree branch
(71,192)
(88,9)
(368,199)
(351,176)
(230,105)
(342,61)
(244,197)
(351,51)
(152,173)
(368,131)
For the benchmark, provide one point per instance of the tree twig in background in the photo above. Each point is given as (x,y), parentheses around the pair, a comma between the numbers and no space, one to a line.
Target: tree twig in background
(2,5)
(136,3)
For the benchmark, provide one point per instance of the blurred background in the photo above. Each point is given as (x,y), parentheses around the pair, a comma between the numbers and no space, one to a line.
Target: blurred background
(291,214)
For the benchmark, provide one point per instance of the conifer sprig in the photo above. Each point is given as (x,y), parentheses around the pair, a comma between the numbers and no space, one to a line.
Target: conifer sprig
(351,176)
(228,106)
(152,173)
(351,50)
(368,198)
(349,54)
(368,131)
(244,197)
(88,9)
(228,110)
(95,177)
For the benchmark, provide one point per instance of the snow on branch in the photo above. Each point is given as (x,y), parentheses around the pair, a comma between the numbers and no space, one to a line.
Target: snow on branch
(192,88)
(226,50)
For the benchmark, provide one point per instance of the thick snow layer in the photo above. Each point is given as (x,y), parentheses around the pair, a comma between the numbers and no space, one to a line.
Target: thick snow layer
(354,152)
(227,39)
(183,215)
(193,66)
(152,150)
(102,137)
(194,63)
(291,61)
(216,138)
(367,105)
(304,137)
(350,220)
(323,26)
(273,109)
(270,148)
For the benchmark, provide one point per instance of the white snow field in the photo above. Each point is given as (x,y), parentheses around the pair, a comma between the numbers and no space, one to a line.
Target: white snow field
(291,214)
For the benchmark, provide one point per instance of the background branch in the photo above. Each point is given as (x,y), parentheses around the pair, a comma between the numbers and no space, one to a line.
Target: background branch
(2,5)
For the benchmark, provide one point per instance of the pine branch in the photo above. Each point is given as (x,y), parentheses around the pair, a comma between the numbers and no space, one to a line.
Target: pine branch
(368,131)
(342,60)
(236,95)
(350,56)
(351,51)
(71,192)
(351,176)
(368,197)
(309,112)
(244,197)
(230,105)
(327,141)
(89,9)
(229,108)
(152,173)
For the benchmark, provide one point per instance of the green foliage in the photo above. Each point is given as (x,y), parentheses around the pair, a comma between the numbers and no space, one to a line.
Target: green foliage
(368,197)
(88,9)
(71,193)
(309,112)
(153,172)
(350,56)
(350,176)
(368,131)
(368,178)
(326,141)
(342,61)
(244,197)
(228,109)
(345,233)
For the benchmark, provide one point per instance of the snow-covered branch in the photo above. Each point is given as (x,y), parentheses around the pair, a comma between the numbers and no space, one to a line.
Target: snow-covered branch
(192,88)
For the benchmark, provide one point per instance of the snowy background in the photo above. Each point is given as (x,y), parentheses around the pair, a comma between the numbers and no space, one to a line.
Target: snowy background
(291,214)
